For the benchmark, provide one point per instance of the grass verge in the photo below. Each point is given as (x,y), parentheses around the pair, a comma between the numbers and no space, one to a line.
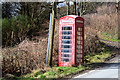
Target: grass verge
(60,72)
(114,40)
(109,37)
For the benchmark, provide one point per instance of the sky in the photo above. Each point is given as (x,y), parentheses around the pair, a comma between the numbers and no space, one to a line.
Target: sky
(64,4)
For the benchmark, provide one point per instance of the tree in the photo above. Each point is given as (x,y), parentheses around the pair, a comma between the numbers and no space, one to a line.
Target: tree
(9,9)
(23,19)
(37,12)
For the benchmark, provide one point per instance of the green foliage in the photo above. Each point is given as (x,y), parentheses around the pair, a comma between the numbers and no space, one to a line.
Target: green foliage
(6,31)
(57,72)
(16,30)
(34,73)
(30,18)
(109,37)
(100,57)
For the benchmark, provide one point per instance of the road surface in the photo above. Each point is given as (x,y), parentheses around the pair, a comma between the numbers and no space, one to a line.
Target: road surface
(108,72)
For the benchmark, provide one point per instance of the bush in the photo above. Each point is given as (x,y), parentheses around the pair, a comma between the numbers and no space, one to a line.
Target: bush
(92,43)
(6,31)
(105,21)
(16,29)
(24,58)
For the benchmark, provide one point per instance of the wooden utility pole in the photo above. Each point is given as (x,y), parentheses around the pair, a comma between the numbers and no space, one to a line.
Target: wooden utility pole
(54,8)
(51,35)
(68,8)
(78,9)
(75,7)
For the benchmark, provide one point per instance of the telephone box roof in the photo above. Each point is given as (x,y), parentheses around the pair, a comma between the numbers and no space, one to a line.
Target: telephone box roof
(72,16)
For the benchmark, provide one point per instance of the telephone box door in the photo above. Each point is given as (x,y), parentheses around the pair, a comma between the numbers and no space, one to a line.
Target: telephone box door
(79,40)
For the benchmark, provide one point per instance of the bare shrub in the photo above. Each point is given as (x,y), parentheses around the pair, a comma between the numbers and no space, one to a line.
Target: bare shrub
(31,55)
(103,23)
(107,9)
(24,58)
(92,42)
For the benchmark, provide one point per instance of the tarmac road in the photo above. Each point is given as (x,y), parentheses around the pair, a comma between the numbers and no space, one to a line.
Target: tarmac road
(109,71)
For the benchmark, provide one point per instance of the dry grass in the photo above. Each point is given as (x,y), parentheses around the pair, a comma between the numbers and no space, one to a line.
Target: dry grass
(92,42)
(24,58)
(105,21)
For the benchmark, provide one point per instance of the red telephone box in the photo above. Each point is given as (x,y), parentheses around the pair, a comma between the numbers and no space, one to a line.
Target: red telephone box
(71,40)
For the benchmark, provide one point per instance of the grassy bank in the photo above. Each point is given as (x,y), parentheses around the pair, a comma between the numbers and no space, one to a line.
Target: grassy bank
(109,37)
(114,40)
(59,72)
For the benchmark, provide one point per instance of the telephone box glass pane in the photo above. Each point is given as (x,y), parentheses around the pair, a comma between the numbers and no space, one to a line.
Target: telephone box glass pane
(79,37)
(67,28)
(66,37)
(66,41)
(79,29)
(65,60)
(66,50)
(66,46)
(79,33)
(79,60)
(66,55)
(79,50)
(79,46)
(78,42)
(79,55)
(67,32)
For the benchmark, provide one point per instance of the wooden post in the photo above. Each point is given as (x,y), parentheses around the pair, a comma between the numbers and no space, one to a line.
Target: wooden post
(54,8)
(51,40)
(78,9)
(48,48)
(75,7)
(51,36)
(68,8)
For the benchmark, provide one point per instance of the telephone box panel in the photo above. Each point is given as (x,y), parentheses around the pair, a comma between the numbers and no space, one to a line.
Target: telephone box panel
(71,40)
